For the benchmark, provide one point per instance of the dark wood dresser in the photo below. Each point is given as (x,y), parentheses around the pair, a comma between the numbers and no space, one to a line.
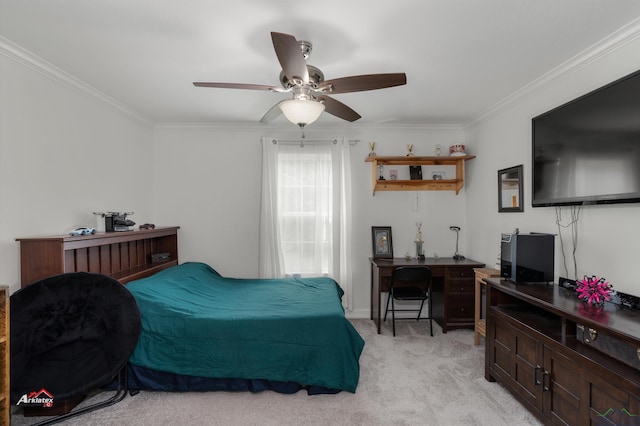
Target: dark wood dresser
(568,363)
(125,256)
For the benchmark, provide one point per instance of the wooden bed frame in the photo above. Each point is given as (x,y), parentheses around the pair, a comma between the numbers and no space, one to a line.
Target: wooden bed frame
(124,256)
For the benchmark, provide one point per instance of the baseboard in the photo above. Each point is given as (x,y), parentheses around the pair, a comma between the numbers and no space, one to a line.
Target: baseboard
(358,314)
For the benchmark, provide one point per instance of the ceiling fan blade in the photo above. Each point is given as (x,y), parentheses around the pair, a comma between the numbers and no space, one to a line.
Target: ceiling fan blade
(338,109)
(360,83)
(240,86)
(272,114)
(290,56)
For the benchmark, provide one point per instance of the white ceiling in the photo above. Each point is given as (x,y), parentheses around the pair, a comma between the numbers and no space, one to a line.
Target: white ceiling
(461,57)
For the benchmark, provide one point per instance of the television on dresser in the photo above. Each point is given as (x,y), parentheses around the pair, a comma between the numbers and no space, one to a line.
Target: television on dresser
(587,151)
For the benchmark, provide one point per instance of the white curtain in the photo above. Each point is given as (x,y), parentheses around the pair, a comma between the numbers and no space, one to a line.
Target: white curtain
(271,260)
(344,214)
(305,221)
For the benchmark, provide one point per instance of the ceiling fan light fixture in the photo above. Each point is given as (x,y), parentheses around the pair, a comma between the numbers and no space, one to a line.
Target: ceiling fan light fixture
(301,112)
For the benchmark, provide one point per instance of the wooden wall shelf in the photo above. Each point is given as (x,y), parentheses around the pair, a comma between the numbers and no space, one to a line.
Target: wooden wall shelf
(418,185)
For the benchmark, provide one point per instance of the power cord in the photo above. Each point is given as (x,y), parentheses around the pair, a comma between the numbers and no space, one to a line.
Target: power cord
(573,226)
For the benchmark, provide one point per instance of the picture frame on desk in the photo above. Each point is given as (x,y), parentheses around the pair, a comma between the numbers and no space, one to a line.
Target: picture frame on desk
(382,242)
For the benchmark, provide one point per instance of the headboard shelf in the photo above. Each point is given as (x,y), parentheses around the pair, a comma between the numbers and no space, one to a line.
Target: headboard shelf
(125,256)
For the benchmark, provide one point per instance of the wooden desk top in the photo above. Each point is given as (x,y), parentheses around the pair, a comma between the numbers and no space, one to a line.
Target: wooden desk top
(429,261)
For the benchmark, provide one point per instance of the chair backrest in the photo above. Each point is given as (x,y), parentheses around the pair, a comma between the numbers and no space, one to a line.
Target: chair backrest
(413,276)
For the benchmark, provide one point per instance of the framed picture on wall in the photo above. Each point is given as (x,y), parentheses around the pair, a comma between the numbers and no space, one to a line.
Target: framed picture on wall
(382,243)
(510,190)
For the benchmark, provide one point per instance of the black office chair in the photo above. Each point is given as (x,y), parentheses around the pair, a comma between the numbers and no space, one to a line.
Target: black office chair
(410,283)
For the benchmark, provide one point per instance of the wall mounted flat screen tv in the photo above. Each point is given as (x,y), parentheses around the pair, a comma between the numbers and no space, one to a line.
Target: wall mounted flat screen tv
(588,150)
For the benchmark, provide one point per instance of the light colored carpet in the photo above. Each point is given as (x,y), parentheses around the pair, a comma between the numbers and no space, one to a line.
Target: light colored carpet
(412,379)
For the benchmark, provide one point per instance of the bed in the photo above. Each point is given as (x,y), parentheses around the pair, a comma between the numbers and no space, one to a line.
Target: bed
(202,331)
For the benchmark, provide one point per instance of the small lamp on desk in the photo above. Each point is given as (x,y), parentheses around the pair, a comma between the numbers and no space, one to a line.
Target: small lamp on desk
(456,256)
(419,242)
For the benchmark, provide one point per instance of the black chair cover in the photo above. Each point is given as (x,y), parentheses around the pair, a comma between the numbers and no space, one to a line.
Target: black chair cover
(70,334)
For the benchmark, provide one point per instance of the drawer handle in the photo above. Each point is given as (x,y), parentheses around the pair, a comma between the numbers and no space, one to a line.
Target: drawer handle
(545,381)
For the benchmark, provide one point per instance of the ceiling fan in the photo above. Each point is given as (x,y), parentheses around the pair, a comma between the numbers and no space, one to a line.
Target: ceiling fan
(309,88)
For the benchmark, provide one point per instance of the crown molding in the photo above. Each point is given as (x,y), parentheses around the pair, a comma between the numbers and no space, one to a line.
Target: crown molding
(604,47)
(39,65)
(315,126)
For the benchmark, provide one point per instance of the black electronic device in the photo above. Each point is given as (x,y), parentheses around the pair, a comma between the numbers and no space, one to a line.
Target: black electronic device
(587,151)
(527,258)
(118,222)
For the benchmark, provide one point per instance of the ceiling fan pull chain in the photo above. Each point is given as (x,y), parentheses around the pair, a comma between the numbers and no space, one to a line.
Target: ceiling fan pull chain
(303,135)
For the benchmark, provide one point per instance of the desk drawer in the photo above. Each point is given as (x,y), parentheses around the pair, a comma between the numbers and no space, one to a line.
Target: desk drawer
(461,273)
(460,309)
(460,306)
(461,286)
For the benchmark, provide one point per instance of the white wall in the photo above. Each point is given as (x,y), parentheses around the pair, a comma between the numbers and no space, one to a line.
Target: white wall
(207,180)
(63,155)
(609,236)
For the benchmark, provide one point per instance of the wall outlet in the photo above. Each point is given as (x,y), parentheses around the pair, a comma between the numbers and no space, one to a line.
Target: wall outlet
(567,283)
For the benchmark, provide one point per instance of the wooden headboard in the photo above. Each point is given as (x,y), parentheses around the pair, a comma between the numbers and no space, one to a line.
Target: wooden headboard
(125,256)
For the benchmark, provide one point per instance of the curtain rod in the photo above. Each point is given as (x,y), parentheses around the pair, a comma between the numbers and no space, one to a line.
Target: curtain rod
(303,141)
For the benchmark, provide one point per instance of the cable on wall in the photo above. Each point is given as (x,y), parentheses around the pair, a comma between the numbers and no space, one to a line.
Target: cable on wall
(573,226)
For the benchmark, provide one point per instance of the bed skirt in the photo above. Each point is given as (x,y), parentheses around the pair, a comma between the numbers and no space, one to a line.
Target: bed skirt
(141,378)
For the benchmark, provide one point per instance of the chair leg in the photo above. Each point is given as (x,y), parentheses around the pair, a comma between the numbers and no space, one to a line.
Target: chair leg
(393,315)
(420,310)
(387,308)
(430,314)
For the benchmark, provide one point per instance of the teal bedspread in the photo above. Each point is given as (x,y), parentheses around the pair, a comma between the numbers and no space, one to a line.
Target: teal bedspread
(198,323)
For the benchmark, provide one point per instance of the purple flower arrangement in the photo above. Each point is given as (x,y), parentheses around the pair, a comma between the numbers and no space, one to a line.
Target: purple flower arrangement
(594,290)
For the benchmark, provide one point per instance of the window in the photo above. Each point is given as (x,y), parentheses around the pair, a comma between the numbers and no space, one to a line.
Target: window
(305,211)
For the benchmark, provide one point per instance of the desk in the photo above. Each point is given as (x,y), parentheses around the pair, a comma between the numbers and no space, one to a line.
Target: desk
(452,288)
